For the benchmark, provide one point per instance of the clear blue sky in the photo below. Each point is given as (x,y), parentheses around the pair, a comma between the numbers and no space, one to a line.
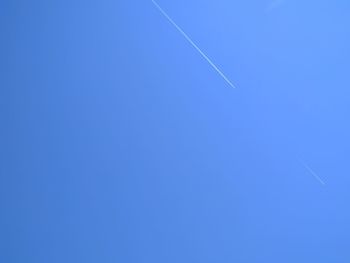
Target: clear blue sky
(119,142)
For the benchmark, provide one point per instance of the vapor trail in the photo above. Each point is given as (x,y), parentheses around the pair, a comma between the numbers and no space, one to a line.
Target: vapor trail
(193,44)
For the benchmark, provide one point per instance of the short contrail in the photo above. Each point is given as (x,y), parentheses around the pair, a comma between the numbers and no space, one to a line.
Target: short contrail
(312,172)
(193,44)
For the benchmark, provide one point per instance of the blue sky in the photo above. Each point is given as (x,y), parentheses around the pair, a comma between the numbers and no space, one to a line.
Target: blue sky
(121,143)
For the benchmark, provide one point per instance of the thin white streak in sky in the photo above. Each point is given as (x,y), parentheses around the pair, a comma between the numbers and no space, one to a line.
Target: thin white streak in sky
(193,44)
(312,172)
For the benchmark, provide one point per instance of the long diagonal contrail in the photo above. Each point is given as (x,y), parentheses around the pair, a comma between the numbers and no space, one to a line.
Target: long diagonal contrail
(193,44)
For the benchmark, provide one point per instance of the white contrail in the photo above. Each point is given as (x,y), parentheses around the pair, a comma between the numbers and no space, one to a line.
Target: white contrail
(312,172)
(193,44)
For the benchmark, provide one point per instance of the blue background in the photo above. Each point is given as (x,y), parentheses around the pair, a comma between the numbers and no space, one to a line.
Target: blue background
(120,143)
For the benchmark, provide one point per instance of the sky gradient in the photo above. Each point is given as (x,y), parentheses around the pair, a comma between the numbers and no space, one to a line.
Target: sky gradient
(122,142)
